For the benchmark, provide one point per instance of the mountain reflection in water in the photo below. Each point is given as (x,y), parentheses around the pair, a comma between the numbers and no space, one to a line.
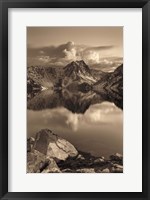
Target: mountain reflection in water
(92,122)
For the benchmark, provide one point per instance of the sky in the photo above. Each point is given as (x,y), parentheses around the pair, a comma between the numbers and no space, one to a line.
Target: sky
(99,47)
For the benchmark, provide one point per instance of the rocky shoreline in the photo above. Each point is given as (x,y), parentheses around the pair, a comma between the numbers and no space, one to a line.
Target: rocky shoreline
(49,153)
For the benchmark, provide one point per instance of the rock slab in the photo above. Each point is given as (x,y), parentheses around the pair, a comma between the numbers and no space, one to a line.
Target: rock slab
(54,146)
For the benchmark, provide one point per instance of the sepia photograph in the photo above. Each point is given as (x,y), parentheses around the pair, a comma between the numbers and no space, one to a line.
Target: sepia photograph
(74,99)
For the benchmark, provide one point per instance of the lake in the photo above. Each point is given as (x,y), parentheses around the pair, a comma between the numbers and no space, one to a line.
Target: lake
(88,121)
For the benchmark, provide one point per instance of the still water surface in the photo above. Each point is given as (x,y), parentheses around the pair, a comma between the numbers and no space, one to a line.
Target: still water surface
(99,130)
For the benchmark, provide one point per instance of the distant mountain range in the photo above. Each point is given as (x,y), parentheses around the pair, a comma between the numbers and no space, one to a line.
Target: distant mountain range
(76,87)
(73,75)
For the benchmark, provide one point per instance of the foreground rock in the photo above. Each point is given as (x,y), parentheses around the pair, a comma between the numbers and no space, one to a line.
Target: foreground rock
(117,159)
(54,146)
(30,144)
(38,162)
(49,153)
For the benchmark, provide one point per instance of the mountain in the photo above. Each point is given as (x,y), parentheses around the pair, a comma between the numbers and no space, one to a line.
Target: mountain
(79,70)
(113,80)
(43,76)
(97,74)
(47,76)
(72,75)
(32,88)
(112,84)
(75,73)
(77,76)
(76,68)
(74,87)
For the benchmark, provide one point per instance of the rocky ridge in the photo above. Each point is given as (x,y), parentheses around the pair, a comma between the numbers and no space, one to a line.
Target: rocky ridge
(73,75)
(64,86)
(49,153)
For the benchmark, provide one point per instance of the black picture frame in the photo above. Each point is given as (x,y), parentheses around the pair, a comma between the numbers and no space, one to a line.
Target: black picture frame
(4,6)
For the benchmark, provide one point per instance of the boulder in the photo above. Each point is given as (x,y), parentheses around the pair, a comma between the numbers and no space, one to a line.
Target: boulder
(118,166)
(54,146)
(30,144)
(99,161)
(36,161)
(106,170)
(85,170)
(80,157)
(67,170)
(116,170)
(49,153)
(52,167)
(116,157)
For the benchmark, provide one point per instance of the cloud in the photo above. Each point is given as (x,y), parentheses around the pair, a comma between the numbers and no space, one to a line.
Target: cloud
(108,64)
(104,112)
(62,119)
(70,51)
(100,48)
(73,121)
(91,57)
(62,54)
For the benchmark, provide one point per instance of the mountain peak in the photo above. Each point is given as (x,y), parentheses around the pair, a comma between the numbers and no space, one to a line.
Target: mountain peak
(78,70)
(77,64)
(81,62)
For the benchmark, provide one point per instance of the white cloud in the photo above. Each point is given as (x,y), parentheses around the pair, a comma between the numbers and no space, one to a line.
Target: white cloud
(73,121)
(91,57)
(71,54)
(63,54)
